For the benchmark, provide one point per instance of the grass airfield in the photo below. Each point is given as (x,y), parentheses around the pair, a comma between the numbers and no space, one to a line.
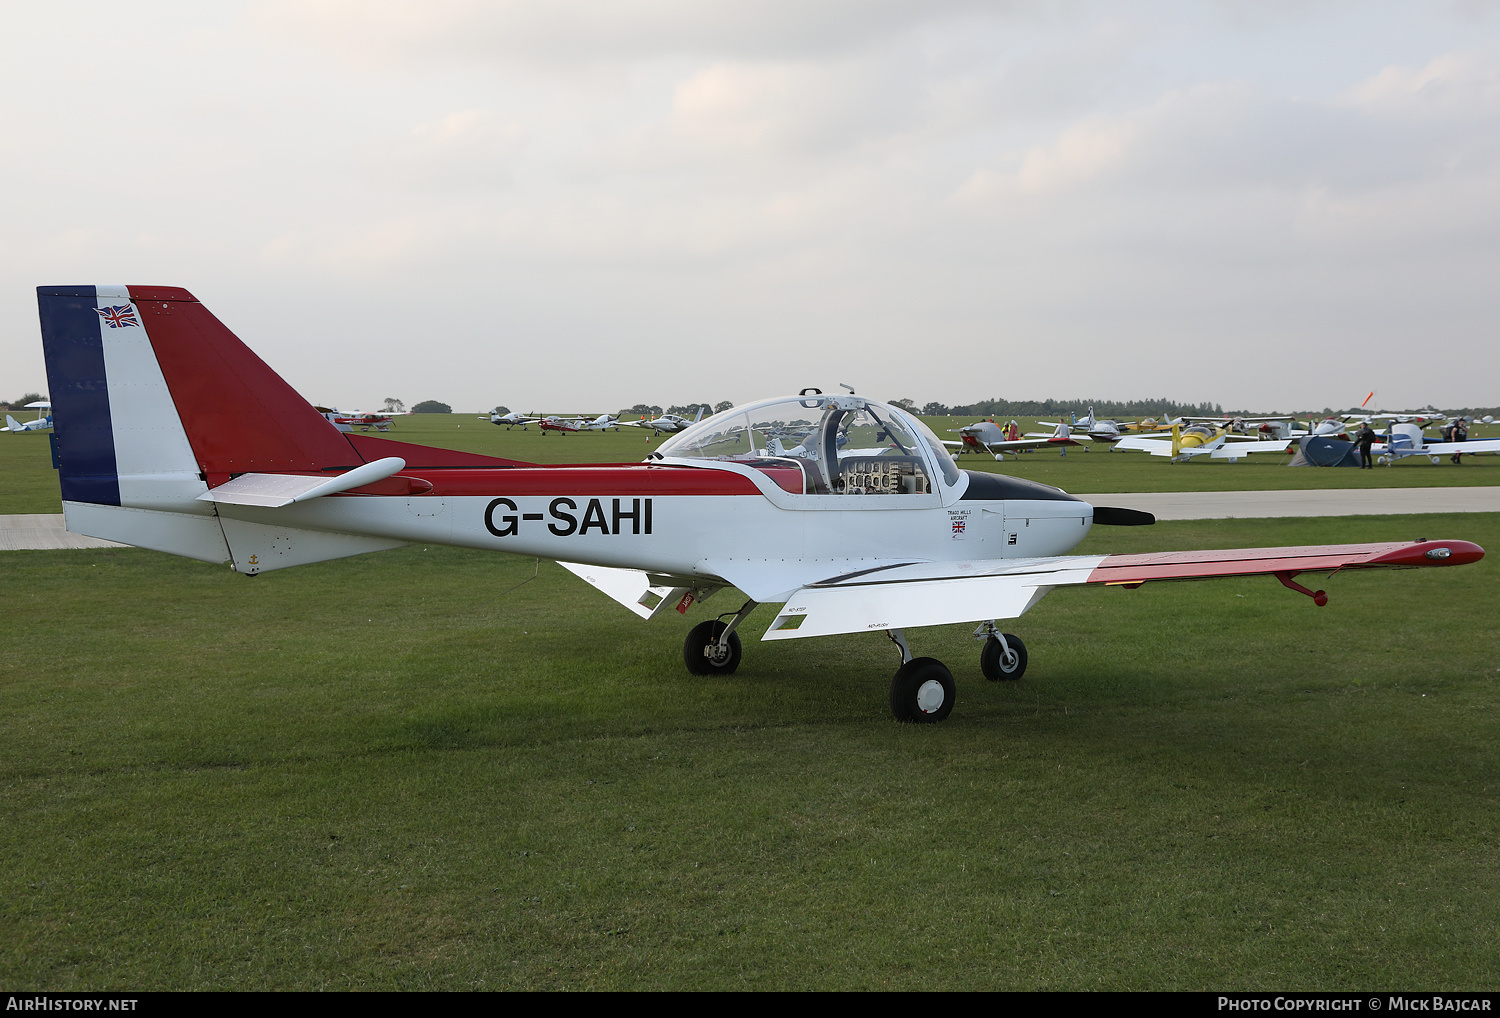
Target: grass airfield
(421,769)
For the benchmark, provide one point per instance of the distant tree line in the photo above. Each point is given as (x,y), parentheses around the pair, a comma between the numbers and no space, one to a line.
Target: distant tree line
(1057,407)
(16,404)
(683,410)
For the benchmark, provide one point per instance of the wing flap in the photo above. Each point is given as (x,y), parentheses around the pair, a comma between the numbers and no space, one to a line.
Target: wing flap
(1234,450)
(925,594)
(631,587)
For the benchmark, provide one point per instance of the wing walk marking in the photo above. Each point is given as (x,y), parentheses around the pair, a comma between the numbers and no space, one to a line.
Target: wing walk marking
(833,580)
(937,572)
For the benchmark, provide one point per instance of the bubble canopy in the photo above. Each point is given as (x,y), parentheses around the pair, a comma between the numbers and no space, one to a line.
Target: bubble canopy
(842,445)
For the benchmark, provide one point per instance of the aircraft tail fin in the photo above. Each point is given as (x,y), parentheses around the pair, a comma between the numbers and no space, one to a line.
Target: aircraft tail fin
(11,424)
(150,388)
(155,402)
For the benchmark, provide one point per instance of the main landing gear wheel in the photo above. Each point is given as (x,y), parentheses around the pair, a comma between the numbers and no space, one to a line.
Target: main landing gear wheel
(996,664)
(703,655)
(922,691)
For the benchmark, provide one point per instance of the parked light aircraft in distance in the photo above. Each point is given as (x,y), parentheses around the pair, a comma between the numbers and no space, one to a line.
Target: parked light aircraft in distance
(1403,440)
(872,528)
(512,420)
(973,437)
(990,437)
(666,424)
(559,424)
(1107,432)
(1216,441)
(43,420)
(1264,429)
(362,421)
(566,424)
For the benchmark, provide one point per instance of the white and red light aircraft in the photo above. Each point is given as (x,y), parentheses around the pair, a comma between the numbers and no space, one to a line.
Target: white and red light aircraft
(871,527)
(362,421)
(998,441)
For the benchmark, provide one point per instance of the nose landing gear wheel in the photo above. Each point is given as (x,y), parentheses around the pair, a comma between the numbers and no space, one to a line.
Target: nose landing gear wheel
(996,664)
(702,654)
(922,691)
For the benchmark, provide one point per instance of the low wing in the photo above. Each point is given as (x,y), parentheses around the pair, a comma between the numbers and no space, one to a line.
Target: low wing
(1234,450)
(1143,443)
(1448,448)
(939,593)
(1016,445)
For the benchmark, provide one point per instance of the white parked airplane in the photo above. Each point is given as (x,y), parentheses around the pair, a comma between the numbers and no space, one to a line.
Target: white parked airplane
(875,529)
(1403,440)
(512,420)
(666,424)
(43,420)
(1103,431)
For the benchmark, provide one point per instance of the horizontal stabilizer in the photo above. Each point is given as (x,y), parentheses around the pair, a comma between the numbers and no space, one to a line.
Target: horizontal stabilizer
(260,547)
(195,537)
(276,490)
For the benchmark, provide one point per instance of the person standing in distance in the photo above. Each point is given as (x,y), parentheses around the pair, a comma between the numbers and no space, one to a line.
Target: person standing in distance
(1366,438)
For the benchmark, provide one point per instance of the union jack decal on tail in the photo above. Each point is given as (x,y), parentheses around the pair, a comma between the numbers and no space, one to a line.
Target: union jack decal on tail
(122,316)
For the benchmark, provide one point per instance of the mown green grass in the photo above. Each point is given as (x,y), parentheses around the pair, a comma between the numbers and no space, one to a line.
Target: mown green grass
(395,771)
(28,484)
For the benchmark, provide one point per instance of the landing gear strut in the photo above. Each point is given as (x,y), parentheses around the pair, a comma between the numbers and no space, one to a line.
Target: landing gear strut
(1003,656)
(922,690)
(712,648)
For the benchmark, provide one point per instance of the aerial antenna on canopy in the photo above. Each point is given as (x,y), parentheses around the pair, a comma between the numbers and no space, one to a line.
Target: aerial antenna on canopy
(846,385)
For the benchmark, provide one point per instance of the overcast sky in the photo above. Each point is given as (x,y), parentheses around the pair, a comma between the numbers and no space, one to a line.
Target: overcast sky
(585,204)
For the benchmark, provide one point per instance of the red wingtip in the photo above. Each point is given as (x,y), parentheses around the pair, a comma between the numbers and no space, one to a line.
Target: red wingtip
(1431,553)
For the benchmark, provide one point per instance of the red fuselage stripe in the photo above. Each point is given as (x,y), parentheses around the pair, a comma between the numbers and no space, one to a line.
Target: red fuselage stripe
(627,479)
